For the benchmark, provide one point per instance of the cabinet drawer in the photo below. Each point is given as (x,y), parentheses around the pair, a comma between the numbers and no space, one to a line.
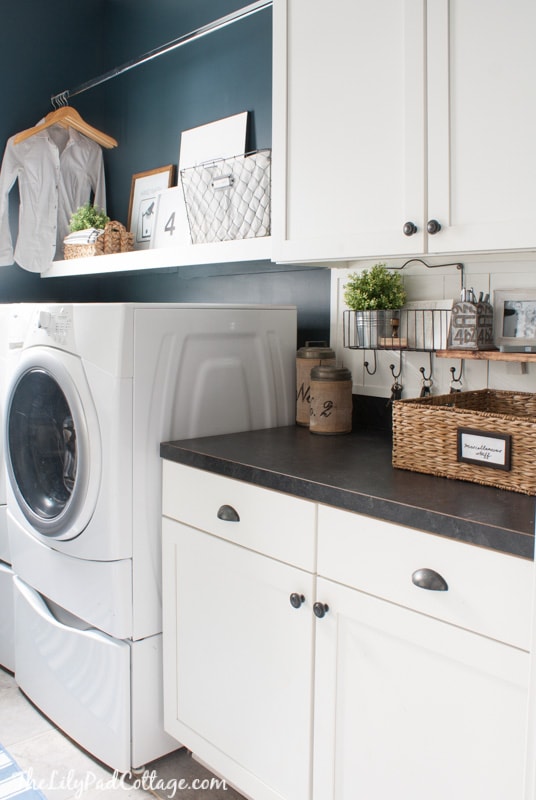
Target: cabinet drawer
(488,592)
(270,522)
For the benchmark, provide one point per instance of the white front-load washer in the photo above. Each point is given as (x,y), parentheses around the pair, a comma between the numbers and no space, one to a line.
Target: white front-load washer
(5,313)
(95,390)
(7,655)
(13,319)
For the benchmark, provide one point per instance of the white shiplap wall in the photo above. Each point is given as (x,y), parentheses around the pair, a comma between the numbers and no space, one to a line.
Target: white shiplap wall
(484,274)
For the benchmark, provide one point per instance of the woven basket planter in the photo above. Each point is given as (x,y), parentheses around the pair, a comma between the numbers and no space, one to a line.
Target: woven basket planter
(426,433)
(115,239)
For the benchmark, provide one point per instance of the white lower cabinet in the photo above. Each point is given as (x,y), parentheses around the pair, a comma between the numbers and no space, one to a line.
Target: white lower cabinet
(238,645)
(407,706)
(381,662)
(422,665)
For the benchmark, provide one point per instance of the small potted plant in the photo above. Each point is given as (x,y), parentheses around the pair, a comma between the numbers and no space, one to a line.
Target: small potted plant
(88,216)
(86,227)
(376,296)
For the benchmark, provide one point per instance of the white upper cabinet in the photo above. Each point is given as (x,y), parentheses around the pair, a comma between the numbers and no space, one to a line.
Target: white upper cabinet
(482,124)
(390,117)
(348,167)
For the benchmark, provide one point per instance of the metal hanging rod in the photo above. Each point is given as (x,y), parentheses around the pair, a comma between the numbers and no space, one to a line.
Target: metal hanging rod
(430,266)
(435,266)
(61,98)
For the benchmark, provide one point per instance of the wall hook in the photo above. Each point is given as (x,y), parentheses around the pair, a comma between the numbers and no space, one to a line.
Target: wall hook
(458,378)
(422,370)
(396,388)
(392,368)
(426,380)
(366,364)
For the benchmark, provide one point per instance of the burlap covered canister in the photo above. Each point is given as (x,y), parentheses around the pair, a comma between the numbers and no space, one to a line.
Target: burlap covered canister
(312,355)
(331,400)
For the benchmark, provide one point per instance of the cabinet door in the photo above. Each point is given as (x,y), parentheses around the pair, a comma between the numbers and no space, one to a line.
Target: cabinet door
(238,662)
(408,706)
(348,139)
(481,124)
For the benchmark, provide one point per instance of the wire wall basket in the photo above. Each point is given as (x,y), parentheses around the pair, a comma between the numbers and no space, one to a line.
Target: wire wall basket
(229,198)
(423,329)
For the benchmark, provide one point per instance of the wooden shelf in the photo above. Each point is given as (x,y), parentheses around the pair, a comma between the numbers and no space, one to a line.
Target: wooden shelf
(255,249)
(487,355)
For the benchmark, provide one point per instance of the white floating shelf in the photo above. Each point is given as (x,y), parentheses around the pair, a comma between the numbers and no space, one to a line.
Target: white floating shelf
(255,249)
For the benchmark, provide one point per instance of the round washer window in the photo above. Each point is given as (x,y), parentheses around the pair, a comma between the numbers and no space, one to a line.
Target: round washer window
(43,448)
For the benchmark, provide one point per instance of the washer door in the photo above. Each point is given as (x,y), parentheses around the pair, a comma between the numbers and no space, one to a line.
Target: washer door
(48,451)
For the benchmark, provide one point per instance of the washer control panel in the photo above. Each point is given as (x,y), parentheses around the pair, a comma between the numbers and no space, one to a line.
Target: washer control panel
(56,323)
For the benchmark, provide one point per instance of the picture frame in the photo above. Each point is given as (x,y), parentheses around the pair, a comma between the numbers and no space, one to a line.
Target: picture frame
(485,448)
(144,191)
(514,320)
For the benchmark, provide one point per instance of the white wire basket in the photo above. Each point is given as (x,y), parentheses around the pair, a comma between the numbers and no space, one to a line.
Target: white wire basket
(229,198)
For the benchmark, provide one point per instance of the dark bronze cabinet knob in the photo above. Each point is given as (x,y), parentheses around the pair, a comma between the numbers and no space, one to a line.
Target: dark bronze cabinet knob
(433,226)
(296,599)
(320,610)
(409,228)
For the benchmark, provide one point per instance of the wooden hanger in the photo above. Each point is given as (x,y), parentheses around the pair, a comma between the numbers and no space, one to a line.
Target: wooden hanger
(68,117)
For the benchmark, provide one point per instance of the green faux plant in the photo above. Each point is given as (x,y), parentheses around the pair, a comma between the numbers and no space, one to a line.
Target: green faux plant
(88,216)
(375,288)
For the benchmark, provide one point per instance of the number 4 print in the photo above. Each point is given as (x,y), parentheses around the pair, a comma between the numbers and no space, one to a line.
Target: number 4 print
(169,227)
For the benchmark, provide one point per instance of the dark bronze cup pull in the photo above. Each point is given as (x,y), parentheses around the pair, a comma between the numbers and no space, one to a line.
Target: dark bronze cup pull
(429,579)
(228,514)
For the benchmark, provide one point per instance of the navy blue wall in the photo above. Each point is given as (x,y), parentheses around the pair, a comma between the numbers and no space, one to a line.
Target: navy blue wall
(146,109)
(38,55)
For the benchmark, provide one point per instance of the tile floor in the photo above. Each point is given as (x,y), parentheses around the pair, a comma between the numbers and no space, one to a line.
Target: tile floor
(65,772)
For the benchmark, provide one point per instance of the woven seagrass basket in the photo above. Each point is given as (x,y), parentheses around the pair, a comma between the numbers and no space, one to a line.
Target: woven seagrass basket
(426,434)
(115,239)
(80,250)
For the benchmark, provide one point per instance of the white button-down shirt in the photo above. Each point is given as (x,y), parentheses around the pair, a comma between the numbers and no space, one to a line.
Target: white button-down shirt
(57,170)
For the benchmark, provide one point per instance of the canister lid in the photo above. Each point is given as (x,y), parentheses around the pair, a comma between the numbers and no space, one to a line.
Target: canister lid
(327,373)
(316,350)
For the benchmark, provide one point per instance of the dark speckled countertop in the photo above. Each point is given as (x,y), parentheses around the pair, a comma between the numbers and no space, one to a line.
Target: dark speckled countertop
(354,472)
